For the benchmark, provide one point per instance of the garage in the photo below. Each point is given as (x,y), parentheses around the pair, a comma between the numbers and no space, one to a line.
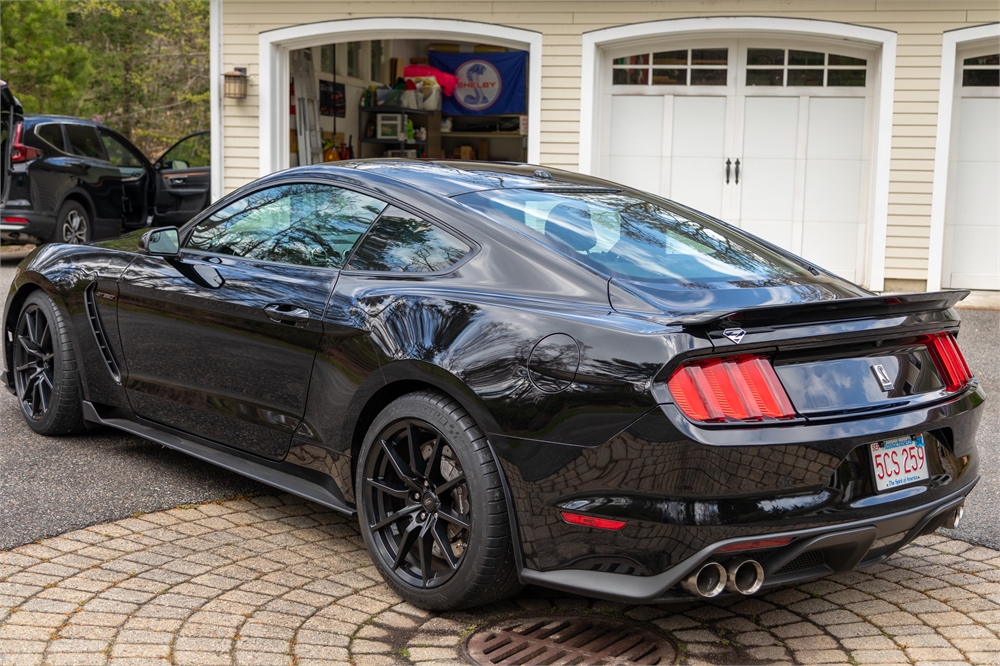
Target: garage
(768,133)
(972,215)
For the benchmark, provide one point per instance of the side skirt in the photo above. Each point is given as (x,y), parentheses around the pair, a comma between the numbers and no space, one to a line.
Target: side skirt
(307,483)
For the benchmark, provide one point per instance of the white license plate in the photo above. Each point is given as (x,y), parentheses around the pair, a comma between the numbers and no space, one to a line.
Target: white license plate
(897,462)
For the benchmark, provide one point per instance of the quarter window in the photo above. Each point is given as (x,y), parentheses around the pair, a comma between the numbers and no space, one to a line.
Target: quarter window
(683,67)
(401,242)
(792,67)
(306,224)
(981,71)
(83,141)
(51,134)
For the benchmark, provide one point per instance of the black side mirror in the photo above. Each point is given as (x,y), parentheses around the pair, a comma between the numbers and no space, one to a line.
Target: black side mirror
(162,242)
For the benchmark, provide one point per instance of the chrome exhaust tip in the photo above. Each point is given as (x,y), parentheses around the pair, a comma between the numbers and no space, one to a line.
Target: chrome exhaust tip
(707,581)
(744,576)
(955,519)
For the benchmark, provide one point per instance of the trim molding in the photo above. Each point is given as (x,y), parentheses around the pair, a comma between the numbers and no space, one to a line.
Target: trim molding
(950,43)
(883,40)
(215,93)
(274,46)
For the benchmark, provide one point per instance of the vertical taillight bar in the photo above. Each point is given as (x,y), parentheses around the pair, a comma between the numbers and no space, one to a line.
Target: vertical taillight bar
(738,388)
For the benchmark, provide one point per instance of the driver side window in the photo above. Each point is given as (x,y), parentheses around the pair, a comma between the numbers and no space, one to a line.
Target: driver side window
(306,224)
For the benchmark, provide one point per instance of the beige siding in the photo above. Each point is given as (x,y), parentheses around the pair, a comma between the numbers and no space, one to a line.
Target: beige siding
(919,23)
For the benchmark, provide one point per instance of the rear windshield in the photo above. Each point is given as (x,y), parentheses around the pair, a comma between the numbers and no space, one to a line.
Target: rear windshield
(635,238)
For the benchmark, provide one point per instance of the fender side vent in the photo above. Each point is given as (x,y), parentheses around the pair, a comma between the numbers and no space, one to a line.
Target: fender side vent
(98,329)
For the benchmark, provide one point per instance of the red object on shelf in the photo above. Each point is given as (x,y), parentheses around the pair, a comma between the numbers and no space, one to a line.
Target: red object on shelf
(448,82)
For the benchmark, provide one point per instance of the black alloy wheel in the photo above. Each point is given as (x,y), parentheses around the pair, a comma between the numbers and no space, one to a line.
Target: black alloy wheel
(418,503)
(34,359)
(73,224)
(45,374)
(432,505)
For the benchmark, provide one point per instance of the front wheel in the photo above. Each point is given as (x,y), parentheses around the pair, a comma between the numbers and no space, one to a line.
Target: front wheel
(432,507)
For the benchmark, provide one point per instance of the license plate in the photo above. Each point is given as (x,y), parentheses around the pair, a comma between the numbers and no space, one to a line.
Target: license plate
(897,462)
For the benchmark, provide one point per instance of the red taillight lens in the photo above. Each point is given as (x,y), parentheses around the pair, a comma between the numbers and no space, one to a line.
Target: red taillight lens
(20,152)
(15,220)
(740,388)
(593,521)
(948,358)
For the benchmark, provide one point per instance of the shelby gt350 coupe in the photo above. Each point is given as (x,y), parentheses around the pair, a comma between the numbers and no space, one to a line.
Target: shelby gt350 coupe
(515,375)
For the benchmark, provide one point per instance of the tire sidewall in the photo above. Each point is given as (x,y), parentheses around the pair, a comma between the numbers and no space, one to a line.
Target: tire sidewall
(48,307)
(59,235)
(461,440)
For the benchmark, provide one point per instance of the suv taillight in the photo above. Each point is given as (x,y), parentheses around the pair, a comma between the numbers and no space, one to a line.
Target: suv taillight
(948,358)
(20,152)
(737,388)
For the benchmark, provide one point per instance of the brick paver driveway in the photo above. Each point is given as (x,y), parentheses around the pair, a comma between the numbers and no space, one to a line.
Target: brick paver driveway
(276,580)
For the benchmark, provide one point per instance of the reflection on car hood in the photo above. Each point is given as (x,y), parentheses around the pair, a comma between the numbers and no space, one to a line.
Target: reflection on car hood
(685,299)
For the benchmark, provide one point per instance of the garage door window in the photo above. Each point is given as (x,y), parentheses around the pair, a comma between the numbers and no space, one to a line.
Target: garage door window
(791,67)
(981,71)
(694,67)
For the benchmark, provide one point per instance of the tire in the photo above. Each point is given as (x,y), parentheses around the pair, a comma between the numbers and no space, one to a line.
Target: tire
(72,224)
(447,513)
(46,379)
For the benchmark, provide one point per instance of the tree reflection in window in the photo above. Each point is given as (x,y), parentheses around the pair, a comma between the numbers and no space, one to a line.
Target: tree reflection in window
(637,238)
(401,242)
(307,224)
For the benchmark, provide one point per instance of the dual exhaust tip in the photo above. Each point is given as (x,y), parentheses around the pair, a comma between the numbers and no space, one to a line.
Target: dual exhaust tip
(741,575)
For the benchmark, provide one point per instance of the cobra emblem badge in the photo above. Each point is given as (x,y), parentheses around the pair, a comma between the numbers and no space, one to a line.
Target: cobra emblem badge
(883,377)
(734,334)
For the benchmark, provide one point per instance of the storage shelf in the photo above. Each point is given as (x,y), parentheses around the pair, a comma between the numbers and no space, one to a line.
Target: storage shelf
(393,142)
(394,109)
(482,135)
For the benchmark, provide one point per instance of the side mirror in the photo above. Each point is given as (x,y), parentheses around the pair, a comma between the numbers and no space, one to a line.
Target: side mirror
(162,242)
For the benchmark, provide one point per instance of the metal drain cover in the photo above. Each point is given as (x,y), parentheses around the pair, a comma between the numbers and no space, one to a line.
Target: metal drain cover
(567,639)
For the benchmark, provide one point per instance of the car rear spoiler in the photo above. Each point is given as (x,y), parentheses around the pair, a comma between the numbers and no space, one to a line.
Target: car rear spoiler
(847,308)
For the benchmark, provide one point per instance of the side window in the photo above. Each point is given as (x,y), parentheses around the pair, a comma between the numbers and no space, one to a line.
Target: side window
(194,151)
(401,242)
(52,134)
(307,224)
(83,141)
(121,156)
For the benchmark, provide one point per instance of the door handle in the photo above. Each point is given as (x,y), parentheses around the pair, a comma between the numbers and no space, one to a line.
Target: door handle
(283,313)
(177,180)
(729,163)
(737,171)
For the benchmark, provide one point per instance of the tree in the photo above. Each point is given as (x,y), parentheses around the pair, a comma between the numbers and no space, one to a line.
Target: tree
(40,59)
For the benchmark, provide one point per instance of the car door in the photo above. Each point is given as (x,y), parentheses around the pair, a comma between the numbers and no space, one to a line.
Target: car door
(135,172)
(95,175)
(183,188)
(220,341)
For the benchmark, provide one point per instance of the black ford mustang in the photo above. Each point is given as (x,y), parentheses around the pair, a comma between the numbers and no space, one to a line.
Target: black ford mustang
(515,376)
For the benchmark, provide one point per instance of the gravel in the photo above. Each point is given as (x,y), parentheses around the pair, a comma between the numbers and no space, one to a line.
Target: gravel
(49,485)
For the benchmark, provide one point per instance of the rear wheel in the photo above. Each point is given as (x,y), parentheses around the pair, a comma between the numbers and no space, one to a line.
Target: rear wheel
(45,373)
(72,224)
(432,508)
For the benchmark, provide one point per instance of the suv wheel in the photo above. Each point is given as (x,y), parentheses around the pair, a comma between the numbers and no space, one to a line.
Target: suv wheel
(72,224)
(432,506)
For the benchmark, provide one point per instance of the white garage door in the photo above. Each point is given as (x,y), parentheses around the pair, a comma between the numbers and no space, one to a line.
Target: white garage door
(972,218)
(769,135)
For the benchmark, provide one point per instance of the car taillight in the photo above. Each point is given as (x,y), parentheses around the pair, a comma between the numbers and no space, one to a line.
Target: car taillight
(949,360)
(593,521)
(739,388)
(20,152)
(15,220)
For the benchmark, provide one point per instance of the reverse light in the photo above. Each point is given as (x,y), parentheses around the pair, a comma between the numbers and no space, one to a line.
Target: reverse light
(593,521)
(20,152)
(738,388)
(949,360)
(756,544)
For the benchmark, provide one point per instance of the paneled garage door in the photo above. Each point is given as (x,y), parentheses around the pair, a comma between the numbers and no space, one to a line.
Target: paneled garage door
(770,135)
(972,217)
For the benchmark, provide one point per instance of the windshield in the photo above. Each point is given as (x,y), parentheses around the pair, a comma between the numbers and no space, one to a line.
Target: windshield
(634,238)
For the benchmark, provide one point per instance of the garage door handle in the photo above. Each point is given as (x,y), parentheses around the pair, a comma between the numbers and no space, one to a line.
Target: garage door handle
(737,171)
(286,314)
(729,163)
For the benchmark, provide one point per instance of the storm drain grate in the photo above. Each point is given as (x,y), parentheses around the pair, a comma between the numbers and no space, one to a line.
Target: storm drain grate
(562,640)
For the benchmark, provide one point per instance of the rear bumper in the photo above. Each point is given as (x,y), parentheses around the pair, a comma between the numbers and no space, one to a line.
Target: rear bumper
(812,553)
(38,229)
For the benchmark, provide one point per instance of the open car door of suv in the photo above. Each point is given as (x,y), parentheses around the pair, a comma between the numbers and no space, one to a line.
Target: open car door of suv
(184,178)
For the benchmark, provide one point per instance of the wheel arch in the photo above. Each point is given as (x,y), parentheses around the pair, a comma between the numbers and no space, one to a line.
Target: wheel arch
(81,198)
(32,282)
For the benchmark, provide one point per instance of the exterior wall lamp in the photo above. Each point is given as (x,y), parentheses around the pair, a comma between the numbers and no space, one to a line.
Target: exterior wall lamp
(236,83)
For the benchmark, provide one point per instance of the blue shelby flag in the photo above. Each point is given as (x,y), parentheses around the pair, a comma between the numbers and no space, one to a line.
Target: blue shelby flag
(488,83)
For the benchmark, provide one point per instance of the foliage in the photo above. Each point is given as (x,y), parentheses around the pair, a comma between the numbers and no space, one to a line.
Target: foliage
(140,67)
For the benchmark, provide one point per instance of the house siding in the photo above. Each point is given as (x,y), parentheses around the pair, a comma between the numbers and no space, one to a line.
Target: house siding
(919,25)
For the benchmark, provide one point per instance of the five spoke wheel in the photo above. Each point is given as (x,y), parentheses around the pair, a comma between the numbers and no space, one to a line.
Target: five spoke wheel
(417,503)
(33,362)
(75,228)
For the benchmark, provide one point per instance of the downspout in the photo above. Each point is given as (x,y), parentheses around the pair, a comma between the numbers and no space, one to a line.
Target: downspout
(215,92)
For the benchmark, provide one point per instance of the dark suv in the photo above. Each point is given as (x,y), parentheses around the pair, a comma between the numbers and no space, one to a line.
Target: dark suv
(74,180)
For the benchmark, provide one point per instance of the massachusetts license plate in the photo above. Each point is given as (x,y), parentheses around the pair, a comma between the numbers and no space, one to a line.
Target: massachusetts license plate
(897,462)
